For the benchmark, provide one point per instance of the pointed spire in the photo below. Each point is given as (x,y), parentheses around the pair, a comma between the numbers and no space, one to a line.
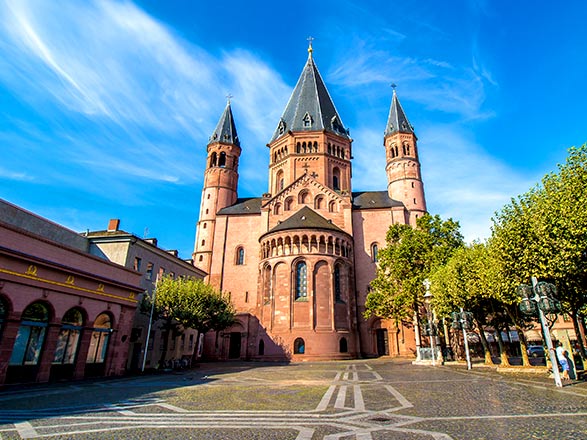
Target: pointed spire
(225,131)
(397,120)
(310,107)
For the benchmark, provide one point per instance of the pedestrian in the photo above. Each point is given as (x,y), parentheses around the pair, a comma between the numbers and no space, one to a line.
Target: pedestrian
(561,355)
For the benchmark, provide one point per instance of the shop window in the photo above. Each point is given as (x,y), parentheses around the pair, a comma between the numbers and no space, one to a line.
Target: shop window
(100,338)
(69,337)
(31,335)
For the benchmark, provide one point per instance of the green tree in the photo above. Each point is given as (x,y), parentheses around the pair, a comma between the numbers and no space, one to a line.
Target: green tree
(408,258)
(189,303)
(543,233)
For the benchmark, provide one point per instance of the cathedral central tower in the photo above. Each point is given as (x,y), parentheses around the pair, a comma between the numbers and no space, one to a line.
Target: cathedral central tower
(310,138)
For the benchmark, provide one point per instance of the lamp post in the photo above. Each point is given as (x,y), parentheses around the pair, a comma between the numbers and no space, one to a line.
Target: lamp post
(464,321)
(538,299)
(431,332)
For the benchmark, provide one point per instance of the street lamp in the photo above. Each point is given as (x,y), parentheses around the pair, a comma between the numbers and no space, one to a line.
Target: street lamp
(539,299)
(430,330)
(464,321)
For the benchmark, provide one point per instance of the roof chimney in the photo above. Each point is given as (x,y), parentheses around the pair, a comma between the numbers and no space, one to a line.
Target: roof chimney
(113,224)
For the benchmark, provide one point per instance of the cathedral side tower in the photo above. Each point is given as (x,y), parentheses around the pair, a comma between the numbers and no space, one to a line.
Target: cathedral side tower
(404,180)
(220,185)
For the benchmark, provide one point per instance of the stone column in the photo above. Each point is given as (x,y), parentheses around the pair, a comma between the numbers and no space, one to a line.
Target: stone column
(9,333)
(48,352)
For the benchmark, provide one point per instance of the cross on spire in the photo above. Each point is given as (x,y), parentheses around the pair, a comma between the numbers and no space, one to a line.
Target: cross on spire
(228,98)
(393,86)
(310,50)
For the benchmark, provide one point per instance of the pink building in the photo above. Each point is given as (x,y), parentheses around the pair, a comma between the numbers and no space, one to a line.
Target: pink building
(64,314)
(297,261)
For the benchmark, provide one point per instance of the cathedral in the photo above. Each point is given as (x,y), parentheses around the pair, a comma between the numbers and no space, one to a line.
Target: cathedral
(297,260)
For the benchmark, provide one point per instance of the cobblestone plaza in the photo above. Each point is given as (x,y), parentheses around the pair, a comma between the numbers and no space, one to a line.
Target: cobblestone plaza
(362,400)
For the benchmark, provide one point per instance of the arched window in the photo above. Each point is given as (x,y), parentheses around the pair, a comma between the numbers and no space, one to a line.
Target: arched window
(100,338)
(299,346)
(222,160)
(336,179)
(319,202)
(69,337)
(332,206)
(279,181)
(343,345)
(337,290)
(277,209)
(329,149)
(374,252)
(298,148)
(303,197)
(315,147)
(261,347)
(301,280)
(31,335)
(287,205)
(213,160)
(240,256)
(408,149)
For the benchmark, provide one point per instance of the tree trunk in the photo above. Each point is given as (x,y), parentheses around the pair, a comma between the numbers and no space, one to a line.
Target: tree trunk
(166,329)
(523,346)
(505,362)
(485,344)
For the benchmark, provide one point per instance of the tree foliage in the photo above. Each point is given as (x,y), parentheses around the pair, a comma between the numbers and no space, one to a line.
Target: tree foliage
(193,304)
(409,257)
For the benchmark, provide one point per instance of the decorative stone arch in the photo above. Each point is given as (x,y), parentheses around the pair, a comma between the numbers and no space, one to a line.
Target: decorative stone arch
(279,181)
(303,197)
(277,209)
(332,206)
(288,204)
(319,202)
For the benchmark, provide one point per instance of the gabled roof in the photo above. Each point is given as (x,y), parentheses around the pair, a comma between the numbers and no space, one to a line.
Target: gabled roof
(225,131)
(291,187)
(373,200)
(397,120)
(305,218)
(310,107)
(243,206)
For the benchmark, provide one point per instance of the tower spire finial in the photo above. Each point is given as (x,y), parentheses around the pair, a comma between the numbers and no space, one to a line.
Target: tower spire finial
(310,49)
(228,98)
(393,86)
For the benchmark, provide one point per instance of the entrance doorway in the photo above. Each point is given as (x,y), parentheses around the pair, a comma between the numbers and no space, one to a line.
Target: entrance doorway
(234,350)
(382,342)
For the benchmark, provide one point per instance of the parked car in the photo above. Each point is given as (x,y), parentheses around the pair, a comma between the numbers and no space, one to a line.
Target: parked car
(536,351)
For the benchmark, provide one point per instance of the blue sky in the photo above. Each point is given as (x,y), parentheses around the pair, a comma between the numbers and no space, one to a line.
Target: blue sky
(107,106)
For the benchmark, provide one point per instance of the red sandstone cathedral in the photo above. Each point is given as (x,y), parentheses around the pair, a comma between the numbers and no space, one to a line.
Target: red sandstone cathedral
(297,261)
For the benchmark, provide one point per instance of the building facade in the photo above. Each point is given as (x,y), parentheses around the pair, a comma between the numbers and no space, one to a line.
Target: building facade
(145,257)
(64,314)
(297,261)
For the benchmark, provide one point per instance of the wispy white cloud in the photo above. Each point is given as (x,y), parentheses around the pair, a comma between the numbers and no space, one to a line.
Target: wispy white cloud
(125,96)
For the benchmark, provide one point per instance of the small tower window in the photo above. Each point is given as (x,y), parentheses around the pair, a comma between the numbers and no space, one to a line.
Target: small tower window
(307,119)
(374,252)
(222,160)
(213,160)
(240,256)
(281,127)
(336,179)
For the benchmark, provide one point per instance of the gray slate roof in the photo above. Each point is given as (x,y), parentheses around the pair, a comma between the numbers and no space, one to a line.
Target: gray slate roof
(310,100)
(373,199)
(243,206)
(305,218)
(225,131)
(397,120)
